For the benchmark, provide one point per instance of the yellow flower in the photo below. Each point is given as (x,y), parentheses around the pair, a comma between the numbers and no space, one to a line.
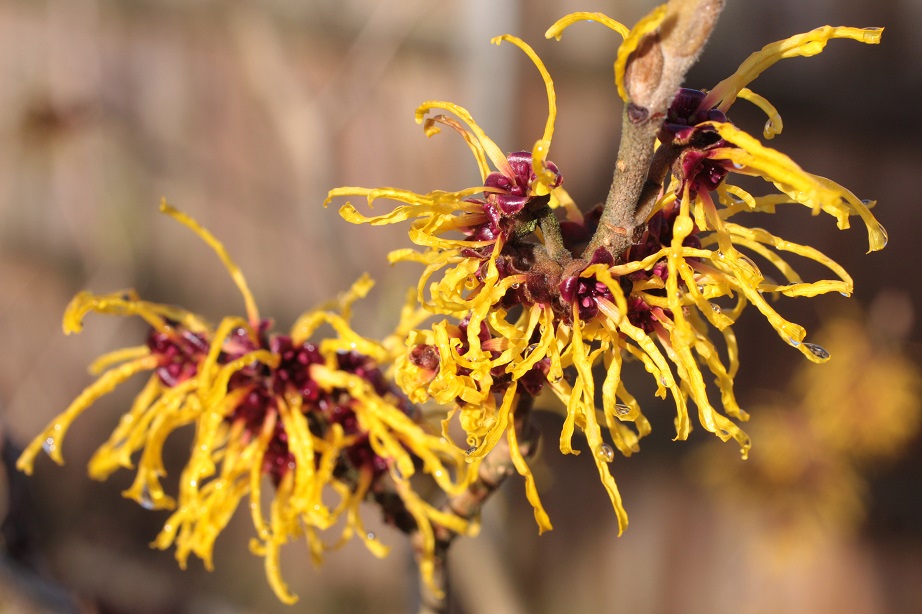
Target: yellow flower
(867,404)
(317,419)
(807,477)
(533,308)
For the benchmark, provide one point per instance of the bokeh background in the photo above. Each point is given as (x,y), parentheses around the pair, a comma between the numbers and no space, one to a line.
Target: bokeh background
(245,113)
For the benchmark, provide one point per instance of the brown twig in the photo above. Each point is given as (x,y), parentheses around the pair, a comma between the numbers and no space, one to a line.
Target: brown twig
(653,75)
(494,469)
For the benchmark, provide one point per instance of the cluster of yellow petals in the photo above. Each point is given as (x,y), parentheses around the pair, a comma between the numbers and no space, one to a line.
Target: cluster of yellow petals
(484,417)
(485,348)
(226,462)
(679,348)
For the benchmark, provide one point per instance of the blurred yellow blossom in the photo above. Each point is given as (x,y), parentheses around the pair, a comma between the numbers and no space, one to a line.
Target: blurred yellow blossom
(830,426)
(315,418)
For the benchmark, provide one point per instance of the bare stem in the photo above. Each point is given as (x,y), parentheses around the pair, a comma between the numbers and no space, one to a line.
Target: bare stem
(653,75)
(553,240)
(494,469)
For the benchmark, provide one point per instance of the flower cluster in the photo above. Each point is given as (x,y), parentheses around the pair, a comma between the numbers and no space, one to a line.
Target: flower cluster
(534,300)
(521,292)
(318,419)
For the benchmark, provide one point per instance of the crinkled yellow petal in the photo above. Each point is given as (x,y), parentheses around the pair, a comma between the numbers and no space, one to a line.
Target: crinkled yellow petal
(774,125)
(218,248)
(556,30)
(804,45)
(52,437)
(531,489)
(493,152)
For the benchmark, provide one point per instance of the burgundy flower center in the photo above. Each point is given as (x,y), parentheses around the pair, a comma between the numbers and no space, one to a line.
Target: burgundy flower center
(178,352)
(684,114)
(641,315)
(507,196)
(585,293)
(515,191)
(702,173)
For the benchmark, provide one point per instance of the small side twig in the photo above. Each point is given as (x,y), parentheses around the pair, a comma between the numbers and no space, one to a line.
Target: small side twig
(553,239)
(494,469)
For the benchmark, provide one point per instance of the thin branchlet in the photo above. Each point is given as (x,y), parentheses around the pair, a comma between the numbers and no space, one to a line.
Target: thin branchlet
(494,469)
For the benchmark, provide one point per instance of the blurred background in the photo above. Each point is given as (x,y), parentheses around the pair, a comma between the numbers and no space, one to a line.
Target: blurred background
(244,114)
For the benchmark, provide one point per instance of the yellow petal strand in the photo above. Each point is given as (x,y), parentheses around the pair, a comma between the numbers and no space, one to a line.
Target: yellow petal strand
(624,439)
(307,490)
(272,546)
(591,427)
(437,199)
(775,259)
(503,421)
(128,436)
(355,523)
(539,153)
(646,26)
(419,205)
(52,437)
(706,350)
(359,289)
(566,394)
(493,152)
(110,359)
(475,146)
(643,425)
(774,125)
(877,234)
(124,303)
(804,45)
(169,413)
(531,489)
(218,248)
(426,554)
(256,512)
(774,166)
(754,236)
(566,21)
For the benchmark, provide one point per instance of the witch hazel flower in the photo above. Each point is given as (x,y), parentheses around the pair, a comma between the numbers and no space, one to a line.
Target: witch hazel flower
(317,420)
(541,289)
